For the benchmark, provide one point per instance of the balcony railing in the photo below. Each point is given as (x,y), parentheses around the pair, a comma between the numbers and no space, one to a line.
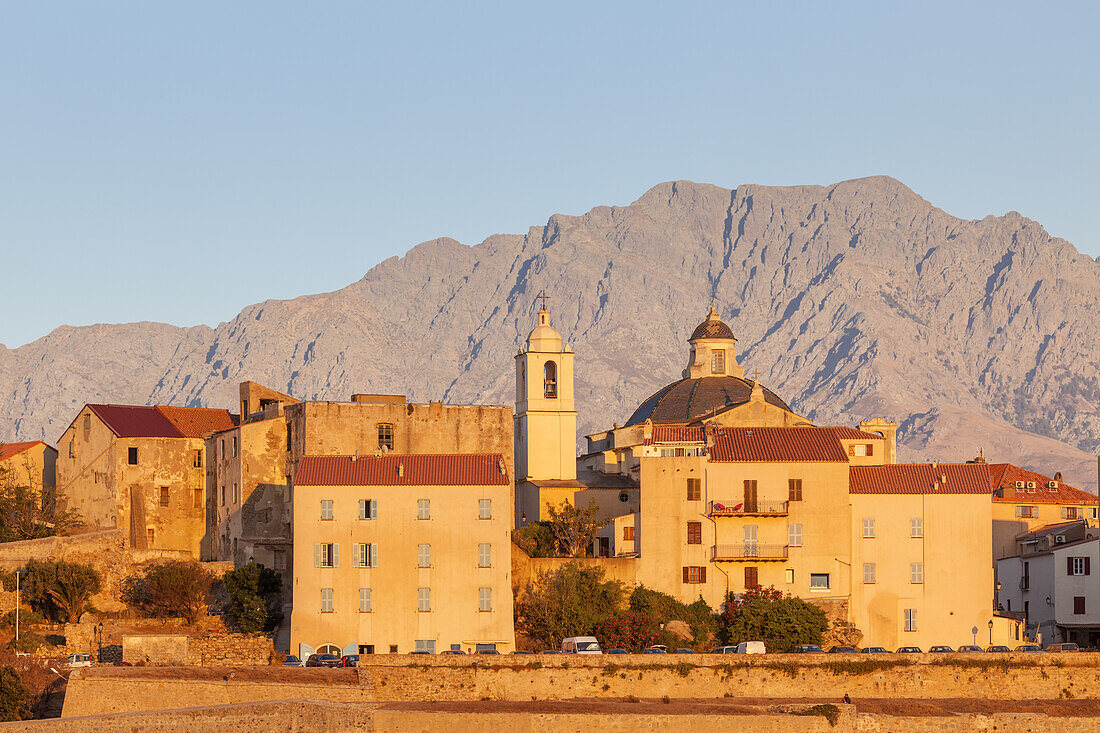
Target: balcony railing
(750,551)
(748,509)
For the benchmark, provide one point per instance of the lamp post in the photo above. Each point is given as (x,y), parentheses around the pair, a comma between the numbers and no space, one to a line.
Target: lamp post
(17,609)
(991,632)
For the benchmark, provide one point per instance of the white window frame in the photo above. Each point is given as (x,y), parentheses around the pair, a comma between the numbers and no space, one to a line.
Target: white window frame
(1071,512)
(365,600)
(368,509)
(326,510)
(868,528)
(870,573)
(423,509)
(364,555)
(916,573)
(910,616)
(484,508)
(485,598)
(424,645)
(916,527)
(788,575)
(328,602)
(1078,566)
(323,551)
(794,534)
(424,600)
(859,449)
(484,555)
(819,588)
(424,555)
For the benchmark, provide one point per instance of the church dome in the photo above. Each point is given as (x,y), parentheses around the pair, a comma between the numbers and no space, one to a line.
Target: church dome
(712,328)
(691,400)
(544,337)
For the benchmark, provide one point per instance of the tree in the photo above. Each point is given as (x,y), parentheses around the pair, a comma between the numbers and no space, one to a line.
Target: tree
(15,699)
(253,597)
(59,590)
(29,512)
(627,630)
(569,601)
(663,608)
(536,539)
(574,529)
(170,589)
(767,615)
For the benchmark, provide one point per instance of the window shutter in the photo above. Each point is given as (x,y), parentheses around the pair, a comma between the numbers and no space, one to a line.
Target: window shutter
(1088,569)
(355,554)
(316,554)
(335,554)
(363,509)
(685,574)
(851,450)
(1069,566)
(870,449)
(703,574)
(374,554)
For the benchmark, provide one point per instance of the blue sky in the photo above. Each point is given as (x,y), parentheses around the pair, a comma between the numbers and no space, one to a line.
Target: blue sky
(177,162)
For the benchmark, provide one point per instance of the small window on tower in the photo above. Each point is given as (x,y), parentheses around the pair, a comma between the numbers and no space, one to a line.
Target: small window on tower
(164,496)
(718,361)
(550,380)
(385,435)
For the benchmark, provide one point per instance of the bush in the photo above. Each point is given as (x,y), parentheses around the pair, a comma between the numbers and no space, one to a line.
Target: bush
(59,590)
(663,608)
(253,598)
(570,601)
(627,630)
(169,589)
(536,539)
(27,617)
(28,643)
(15,699)
(765,614)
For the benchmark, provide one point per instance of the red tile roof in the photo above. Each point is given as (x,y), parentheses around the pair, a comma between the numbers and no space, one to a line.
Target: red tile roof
(845,433)
(138,421)
(465,469)
(1003,478)
(7,450)
(675,434)
(919,478)
(781,445)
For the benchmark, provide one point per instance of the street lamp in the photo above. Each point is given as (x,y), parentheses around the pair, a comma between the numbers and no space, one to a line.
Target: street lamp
(991,632)
(17,609)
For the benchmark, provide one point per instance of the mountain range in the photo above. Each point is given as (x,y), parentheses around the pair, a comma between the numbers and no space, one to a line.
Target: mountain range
(853,300)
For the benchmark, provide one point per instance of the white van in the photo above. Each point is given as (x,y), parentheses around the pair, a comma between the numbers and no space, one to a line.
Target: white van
(751,647)
(580,645)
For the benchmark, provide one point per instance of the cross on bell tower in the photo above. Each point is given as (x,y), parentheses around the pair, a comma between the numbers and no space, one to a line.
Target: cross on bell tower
(542,296)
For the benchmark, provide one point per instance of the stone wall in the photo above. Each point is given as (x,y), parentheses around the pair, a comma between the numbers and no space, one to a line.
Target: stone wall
(525,568)
(159,649)
(237,650)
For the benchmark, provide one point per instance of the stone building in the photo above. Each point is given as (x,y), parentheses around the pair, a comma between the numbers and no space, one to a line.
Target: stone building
(141,469)
(32,465)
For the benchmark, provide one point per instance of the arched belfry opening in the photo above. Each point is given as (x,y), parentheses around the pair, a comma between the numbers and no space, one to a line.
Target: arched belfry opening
(550,380)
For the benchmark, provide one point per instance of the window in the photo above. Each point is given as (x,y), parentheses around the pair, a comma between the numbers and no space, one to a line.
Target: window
(484,554)
(1078,566)
(868,572)
(368,509)
(484,508)
(695,533)
(422,645)
(695,574)
(131,456)
(1070,512)
(916,572)
(424,555)
(164,496)
(326,506)
(424,599)
(197,460)
(198,498)
(910,619)
(484,599)
(718,361)
(87,422)
(234,446)
(861,449)
(237,495)
(794,535)
(223,494)
(423,509)
(694,489)
(150,535)
(289,433)
(752,578)
(1078,605)
(326,600)
(364,555)
(628,534)
(819,581)
(385,435)
(279,559)
(789,575)
(1025,512)
(364,600)
(1093,513)
(750,496)
(750,540)
(794,489)
(869,527)
(550,380)
(326,555)
(916,527)
(72,451)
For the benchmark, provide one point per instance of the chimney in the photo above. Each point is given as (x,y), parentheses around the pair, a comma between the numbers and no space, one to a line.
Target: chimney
(400,469)
(355,457)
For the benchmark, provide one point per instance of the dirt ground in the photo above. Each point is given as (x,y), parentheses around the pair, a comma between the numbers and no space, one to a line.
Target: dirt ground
(760,706)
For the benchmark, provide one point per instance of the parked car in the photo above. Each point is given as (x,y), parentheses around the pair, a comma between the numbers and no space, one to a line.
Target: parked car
(490,652)
(550,651)
(842,650)
(1064,647)
(909,650)
(580,645)
(323,660)
(683,650)
(76,661)
(655,650)
(805,649)
(874,650)
(292,661)
(617,651)
(998,649)
(521,652)
(970,649)
(940,649)
(421,653)
(1028,648)
(724,650)
(349,660)
(751,647)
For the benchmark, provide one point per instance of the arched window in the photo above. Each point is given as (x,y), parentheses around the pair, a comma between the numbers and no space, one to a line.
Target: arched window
(550,380)
(522,381)
(329,649)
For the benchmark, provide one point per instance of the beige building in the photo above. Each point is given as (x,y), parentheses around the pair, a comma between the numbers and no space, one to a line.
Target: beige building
(32,465)
(1025,500)
(141,469)
(737,490)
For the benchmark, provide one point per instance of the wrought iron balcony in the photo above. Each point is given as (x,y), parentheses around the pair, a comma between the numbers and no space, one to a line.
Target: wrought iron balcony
(747,551)
(747,509)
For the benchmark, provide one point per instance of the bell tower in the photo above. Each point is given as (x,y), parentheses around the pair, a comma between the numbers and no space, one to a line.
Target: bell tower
(545,420)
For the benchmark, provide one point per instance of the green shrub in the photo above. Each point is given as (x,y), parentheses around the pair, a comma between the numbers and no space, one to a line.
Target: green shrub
(28,643)
(253,598)
(764,614)
(169,589)
(59,590)
(15,698)
(27,617)
(831,713)
(569,601)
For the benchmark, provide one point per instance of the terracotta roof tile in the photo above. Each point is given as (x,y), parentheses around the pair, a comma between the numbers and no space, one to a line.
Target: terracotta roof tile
(195,422)
(674,434)
(1003,478)
(781,445)
(465,469)
(919,478)
(140,421)
(7,450)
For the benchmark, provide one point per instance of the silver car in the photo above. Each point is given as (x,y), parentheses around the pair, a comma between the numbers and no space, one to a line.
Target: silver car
(75,661)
